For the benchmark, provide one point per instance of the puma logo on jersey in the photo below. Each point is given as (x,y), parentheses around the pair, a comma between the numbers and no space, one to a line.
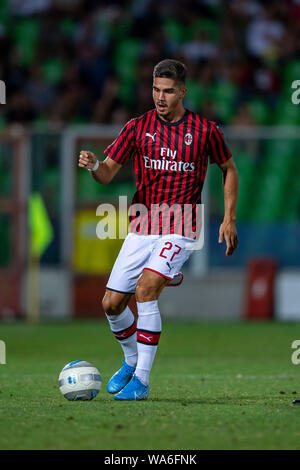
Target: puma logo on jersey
(150,135)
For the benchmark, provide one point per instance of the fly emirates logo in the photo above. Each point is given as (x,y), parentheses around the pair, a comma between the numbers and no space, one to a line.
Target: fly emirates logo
(168,162)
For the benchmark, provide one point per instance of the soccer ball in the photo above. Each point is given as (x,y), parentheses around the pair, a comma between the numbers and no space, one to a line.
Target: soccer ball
(79,380)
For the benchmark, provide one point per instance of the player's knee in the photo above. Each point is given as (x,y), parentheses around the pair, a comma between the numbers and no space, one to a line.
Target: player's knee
(111,305)
(145,292)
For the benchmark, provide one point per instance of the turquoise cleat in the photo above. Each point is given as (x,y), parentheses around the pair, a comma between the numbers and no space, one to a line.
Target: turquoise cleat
(134,390)
(120,378)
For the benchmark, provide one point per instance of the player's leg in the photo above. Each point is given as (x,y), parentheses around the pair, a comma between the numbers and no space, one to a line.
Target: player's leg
(120,286)
(167,257)
(148,290)
(123,326)
(122,323)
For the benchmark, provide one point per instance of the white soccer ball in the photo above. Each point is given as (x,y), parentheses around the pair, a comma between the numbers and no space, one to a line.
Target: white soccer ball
(79,380)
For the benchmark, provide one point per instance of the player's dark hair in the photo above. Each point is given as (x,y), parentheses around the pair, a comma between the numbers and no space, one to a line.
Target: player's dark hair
(170,68)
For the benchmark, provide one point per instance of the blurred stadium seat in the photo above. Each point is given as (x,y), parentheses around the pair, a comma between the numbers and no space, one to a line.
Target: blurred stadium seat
(92,62)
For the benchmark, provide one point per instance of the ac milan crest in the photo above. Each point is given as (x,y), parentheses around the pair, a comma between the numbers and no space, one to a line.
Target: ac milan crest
(188,139)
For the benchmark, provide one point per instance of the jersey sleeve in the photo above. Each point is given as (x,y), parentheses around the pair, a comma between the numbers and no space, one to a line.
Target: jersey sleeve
(121,149)
(217,148)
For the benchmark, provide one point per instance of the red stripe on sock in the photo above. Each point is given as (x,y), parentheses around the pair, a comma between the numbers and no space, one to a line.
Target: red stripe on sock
(123,334)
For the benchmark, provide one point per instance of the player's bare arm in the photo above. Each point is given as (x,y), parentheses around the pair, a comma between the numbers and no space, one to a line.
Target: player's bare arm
(106,170)
(228,229)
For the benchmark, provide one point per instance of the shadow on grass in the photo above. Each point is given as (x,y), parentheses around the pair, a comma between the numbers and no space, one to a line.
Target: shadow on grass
(237,401)
(232,401)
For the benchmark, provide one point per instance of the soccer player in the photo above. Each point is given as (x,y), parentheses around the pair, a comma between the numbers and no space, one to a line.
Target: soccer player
(170,147)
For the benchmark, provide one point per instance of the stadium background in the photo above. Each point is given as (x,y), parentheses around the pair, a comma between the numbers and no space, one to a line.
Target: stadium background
(75,71)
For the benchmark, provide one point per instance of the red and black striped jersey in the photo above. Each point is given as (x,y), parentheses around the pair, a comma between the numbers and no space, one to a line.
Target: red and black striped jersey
(170,161)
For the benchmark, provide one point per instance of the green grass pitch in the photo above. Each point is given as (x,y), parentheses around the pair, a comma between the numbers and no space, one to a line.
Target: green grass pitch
(213,386)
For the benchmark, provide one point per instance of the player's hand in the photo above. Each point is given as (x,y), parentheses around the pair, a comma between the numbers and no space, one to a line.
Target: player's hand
(87,160)
(229,232)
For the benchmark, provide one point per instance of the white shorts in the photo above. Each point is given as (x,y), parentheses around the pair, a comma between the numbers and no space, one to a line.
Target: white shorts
(163,254)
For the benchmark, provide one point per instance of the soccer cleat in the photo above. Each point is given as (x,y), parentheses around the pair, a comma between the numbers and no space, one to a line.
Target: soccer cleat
(120,378)
(134,390)
(296,402)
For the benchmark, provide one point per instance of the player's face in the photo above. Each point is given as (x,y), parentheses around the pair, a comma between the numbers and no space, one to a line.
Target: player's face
(167,96)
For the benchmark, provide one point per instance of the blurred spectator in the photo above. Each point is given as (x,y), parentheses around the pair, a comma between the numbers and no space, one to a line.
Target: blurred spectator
(290,45)
(52,37)
(93,68)
(74,101)
(108,103)
(19,109)
(40,93)
(29,7)
(68,6)
(256,79)
(295,9)
(89,33)
(264,34)
(119,116)
(199,49)
(243,116)
(266,83)
(208,110)
(158,47)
